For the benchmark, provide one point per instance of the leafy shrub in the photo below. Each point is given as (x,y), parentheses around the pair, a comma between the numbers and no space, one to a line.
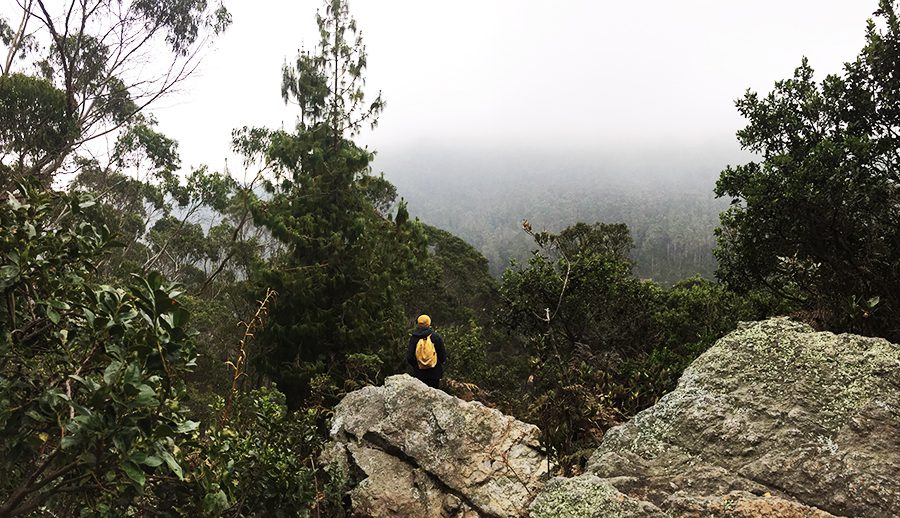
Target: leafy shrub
(259,463)
(90,375)
(93,402)
(604,345)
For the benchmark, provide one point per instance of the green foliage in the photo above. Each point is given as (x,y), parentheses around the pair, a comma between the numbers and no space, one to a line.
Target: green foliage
(345,264)
(141,143)
(453,284)
(162,220)
(95,351)
(602,344)
(33,120)
(815,219)
(260,463)
(572,417)
(613,240)
(92,390)
(6,32)
(671,221)
(486,365)
(588,300)
(90,375)
(698,310)
(181,20)
(467,349)
(363,369)
(93,83)
(327,84)
(583,315)
(687,319)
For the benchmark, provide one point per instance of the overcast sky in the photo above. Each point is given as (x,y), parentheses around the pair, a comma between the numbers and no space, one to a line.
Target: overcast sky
(623,78)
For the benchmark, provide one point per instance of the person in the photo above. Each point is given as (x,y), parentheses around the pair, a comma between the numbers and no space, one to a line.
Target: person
(430,376)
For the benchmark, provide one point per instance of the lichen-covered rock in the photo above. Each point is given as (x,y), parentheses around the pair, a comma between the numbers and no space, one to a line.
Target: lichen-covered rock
(810,419)
(775,420)
(738,504)
(588,496)
(418,451)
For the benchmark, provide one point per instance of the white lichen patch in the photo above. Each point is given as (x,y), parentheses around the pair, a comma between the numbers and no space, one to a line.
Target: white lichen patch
(826,445)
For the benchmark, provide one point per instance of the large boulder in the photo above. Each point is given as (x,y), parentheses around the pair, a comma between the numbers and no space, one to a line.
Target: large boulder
(415,451)
(773,420)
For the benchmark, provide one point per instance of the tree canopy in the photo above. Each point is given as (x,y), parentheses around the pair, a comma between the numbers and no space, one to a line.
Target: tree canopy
(815,218)
(89,85)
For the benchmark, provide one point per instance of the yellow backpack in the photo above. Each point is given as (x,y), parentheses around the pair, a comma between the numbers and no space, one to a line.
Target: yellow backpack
(426,355)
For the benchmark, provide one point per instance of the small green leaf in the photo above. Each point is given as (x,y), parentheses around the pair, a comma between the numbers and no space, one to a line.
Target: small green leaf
(8,275)
(169,320)
(146,396)
(170,461)
(111,371)
(215,503)
(132,375)
(152,461)
(134,473)
(68,442)
(138,457)
(52,315)
(187,426)
(13,202)
(155,280)
(180,317)
(119,441)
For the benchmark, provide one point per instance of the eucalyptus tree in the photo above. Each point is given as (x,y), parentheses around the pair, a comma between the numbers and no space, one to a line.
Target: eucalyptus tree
(76,71)
(75,85)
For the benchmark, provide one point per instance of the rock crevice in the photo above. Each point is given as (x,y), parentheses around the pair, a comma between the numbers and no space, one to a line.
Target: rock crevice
(372,439)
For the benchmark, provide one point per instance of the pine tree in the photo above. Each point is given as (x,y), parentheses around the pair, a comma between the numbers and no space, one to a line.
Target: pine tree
(345,262)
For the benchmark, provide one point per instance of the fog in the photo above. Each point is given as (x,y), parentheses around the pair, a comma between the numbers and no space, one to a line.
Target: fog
(600,87)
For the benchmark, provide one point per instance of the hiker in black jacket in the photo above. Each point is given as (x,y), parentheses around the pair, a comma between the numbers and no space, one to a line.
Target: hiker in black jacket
(430,376)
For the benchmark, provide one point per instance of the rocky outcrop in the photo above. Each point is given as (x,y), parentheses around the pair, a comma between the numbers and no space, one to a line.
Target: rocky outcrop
(774,420)
(419,452)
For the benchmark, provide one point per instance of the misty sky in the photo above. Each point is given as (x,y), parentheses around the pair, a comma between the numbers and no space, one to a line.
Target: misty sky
(616,78)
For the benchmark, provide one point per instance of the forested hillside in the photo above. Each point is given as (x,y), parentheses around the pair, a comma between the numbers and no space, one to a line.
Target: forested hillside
(483,197)
(174,341)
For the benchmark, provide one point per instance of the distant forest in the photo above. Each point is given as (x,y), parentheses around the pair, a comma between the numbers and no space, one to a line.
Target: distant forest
(483,198)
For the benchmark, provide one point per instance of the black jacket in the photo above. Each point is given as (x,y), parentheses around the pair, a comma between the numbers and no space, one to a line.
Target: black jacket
(438,370)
